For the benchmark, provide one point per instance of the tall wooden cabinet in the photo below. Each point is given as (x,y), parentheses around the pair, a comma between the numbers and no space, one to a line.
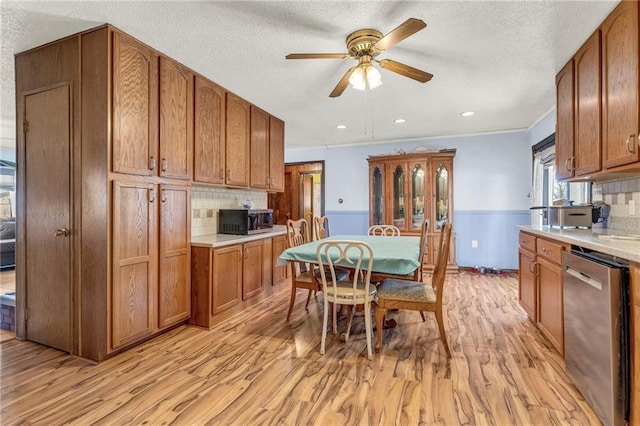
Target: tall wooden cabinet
(210,126)
(131,160)
(406,189)
(238,141)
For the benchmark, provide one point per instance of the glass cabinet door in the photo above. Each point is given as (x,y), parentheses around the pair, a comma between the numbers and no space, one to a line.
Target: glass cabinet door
(397,195)
(441,195)
(416,196)
(377,196)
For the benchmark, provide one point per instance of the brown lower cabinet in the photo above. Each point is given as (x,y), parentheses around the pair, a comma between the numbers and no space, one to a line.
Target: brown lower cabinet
(230,278)
(540,285)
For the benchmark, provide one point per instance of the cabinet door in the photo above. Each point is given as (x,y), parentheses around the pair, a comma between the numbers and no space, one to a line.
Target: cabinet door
(174,295)
(279,272)
(565,121)
(588,146)
(418,196)
(377,194)
(176,120)
(550,303)
(442,192)
(527,293)
(276,154)
(253,269)
(226,278)
(620,86)
(135,107)
(237,144)
(133,292)
(259,158)
(209,144)
(398,175)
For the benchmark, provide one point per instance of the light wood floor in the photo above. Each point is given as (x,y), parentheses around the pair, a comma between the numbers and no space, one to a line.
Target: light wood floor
(257,368)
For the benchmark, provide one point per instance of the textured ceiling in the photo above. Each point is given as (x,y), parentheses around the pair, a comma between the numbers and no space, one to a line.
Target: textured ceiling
(498,59)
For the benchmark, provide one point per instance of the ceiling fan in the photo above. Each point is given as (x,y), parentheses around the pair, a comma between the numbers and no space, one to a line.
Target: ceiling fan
(364,45)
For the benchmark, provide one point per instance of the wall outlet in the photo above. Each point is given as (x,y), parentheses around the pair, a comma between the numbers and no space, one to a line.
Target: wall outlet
(632,207)
(597,193)
(474,243)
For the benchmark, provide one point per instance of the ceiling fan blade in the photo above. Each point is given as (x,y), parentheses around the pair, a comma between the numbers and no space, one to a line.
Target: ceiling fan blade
(342,84)
(405,70)
(317,56)
(407,28)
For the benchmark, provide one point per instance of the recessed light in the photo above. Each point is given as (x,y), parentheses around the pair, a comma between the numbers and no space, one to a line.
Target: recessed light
(399,120)
(341,126)
(467,113)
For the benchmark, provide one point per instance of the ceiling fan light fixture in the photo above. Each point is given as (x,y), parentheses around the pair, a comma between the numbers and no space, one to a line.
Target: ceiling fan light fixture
(467,113)
(365,75)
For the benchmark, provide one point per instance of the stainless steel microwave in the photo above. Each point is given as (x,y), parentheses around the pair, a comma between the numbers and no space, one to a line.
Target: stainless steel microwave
(244,221)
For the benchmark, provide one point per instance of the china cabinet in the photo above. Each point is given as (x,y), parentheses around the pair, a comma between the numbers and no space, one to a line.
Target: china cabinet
(406,189)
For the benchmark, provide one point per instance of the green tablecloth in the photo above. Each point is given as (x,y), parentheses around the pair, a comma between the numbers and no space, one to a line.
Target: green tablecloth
(391,255)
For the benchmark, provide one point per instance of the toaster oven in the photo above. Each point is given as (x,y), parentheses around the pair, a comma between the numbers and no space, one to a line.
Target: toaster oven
(582,216)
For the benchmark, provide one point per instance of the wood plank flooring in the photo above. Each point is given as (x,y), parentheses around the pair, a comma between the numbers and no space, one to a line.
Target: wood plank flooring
(259,369)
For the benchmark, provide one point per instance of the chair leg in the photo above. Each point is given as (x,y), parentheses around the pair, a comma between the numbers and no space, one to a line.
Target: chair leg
(308,299)
(335,318)
(443,336)
(379,314)
(367,326)
(350,311)
(422,315)
(325,321)
(292,300)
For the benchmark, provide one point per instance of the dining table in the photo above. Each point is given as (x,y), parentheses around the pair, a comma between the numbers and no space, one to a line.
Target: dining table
(391,255)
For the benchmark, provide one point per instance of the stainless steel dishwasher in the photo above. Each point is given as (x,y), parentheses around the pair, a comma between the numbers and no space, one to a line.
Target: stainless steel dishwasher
(596,334)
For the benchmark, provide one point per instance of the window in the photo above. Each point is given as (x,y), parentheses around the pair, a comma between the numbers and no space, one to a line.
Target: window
(546,189)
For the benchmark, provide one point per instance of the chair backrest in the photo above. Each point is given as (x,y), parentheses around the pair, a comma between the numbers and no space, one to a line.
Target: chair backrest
(442,257)
(321,225)
(356,255)
(297,232)
(424,242)
(384,231)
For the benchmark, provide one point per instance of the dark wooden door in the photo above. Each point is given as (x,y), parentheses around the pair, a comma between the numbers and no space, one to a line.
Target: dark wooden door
(48,230)
(306,198)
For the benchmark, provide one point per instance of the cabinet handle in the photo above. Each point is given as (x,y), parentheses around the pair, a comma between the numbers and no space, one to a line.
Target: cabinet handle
(631,147)
(573,163)
(152,195)
(163,197)
(164,164)
(222,174)
(152,163)
(63,232)
(566,164)
(246,254)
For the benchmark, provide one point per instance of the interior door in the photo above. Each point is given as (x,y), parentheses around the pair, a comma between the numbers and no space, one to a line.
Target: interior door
(47,217)
(306,198)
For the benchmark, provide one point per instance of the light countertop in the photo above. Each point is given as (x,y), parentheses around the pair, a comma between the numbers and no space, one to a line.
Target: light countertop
(623,244)
(221,240)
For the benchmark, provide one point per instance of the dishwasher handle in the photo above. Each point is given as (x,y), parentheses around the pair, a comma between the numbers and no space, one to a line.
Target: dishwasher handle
(584,278)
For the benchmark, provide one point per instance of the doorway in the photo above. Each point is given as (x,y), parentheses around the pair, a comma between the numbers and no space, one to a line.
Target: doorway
(47,208)
(303,195)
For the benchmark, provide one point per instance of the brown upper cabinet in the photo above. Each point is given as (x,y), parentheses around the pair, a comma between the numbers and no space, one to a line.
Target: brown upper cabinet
(135,106)
(176,120)
(276,154)
(598,103)
(210,125)
(152,110)
(238,141)
(578,136)
(620,86)
(259,148)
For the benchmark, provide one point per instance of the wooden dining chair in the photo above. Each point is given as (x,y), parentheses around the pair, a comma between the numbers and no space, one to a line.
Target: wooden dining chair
(384,231)
(354,291)
(321,227)
(416,295)
(303,275)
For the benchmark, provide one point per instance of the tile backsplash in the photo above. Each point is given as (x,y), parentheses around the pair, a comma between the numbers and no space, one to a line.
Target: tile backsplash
(619,194)
(206,201)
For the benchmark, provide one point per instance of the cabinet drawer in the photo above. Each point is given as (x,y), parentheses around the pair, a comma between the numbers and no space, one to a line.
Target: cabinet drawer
(527,241)
(550,250)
